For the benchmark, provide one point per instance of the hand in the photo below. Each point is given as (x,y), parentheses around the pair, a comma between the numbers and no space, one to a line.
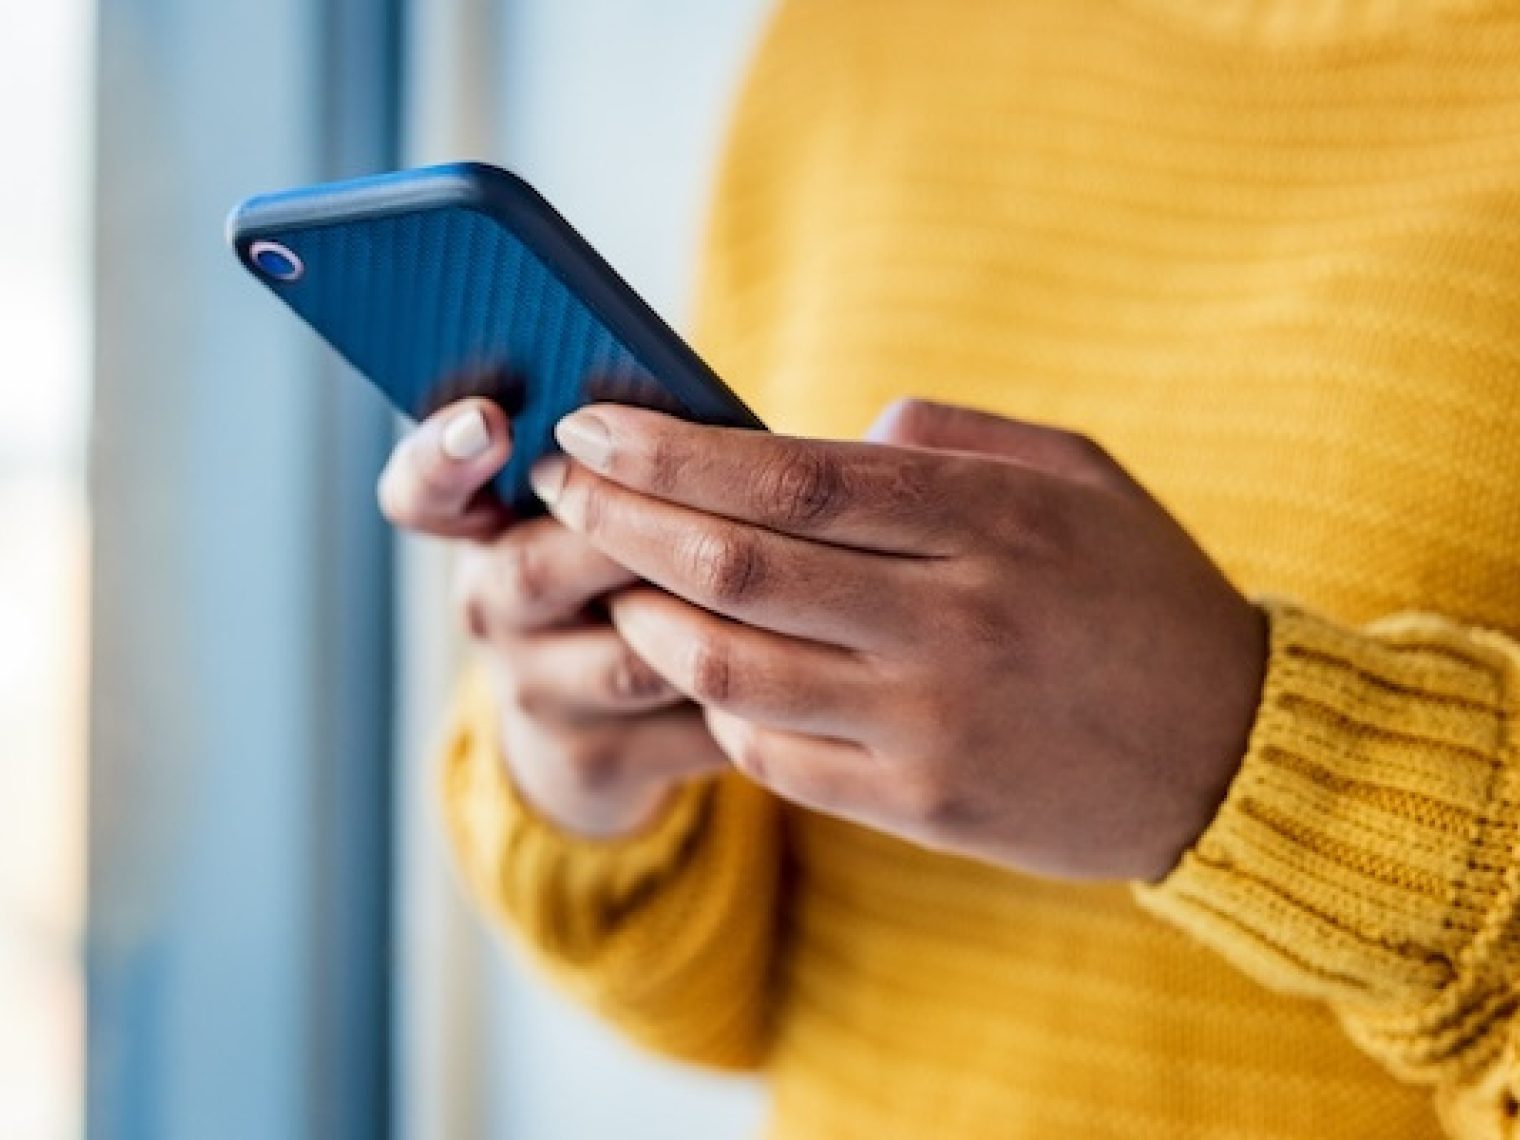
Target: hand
(593,737)
(973,633)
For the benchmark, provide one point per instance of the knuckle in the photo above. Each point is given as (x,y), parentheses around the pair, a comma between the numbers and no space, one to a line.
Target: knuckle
(477,621)
(1098,465)
(933,803)
(523,577)
(663,464)
(1036,519)
(474,614)
(534,700)
(710,672)
(1083,451)
(594,503)
(470,602)
(595,766)
(748,753)
(629,678)
(803,487)
(520,699)
(914,418)
(978,609)
(915,486)
(977,623)
(724,568)
(942,709)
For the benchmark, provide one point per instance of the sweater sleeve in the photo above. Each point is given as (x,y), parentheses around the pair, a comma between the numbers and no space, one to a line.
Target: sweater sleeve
(1366,852)
(667,934)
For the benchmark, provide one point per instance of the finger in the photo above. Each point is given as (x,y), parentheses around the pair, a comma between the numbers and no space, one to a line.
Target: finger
(663,746)
(584,676)
(864,495)
(945,427)
(772,680)
(828,776)
(436,479)
(597,767)
(535,576)
(790,585)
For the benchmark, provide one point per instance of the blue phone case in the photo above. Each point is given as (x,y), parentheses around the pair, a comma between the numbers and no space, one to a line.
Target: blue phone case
(461,280)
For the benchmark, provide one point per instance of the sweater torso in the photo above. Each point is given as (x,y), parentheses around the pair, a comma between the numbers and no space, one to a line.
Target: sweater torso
(1271,262)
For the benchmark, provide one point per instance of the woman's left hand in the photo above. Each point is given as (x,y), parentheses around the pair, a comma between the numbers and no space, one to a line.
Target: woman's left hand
(973,633)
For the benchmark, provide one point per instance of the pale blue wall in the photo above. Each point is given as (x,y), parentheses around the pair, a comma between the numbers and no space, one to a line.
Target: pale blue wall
(240,686)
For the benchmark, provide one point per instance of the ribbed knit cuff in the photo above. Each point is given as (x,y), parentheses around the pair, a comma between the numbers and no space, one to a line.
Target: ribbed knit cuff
(565,891)
(1366,851)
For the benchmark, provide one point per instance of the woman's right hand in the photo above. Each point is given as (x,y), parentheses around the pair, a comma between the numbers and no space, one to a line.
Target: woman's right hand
(594,738)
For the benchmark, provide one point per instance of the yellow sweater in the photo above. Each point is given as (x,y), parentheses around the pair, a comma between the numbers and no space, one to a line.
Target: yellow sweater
(1268,252)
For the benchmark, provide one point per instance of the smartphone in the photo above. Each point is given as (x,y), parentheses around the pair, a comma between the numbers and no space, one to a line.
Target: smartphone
(461,280)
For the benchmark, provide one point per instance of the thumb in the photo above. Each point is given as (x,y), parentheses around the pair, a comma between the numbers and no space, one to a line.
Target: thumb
(946,427)
(436,479)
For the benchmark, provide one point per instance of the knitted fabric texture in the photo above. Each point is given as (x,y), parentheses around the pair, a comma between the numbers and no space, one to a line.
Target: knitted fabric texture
(1267,252)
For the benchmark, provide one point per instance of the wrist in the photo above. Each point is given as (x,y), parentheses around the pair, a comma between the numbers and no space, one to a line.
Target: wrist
(1224,731)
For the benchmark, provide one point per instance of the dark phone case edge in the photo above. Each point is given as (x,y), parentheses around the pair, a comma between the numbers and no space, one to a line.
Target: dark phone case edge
(510,202)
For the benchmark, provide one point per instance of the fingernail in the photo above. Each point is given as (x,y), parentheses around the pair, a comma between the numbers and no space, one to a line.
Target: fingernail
(466,436)
(548,478)
(586,437)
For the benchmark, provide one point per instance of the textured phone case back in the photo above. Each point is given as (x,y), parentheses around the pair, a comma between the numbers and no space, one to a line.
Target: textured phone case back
(436,301)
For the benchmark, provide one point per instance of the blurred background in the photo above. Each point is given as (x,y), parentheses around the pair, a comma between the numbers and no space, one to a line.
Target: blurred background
(225,908)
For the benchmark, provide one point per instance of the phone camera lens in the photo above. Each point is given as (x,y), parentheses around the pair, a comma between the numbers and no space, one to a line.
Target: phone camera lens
(277,261)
